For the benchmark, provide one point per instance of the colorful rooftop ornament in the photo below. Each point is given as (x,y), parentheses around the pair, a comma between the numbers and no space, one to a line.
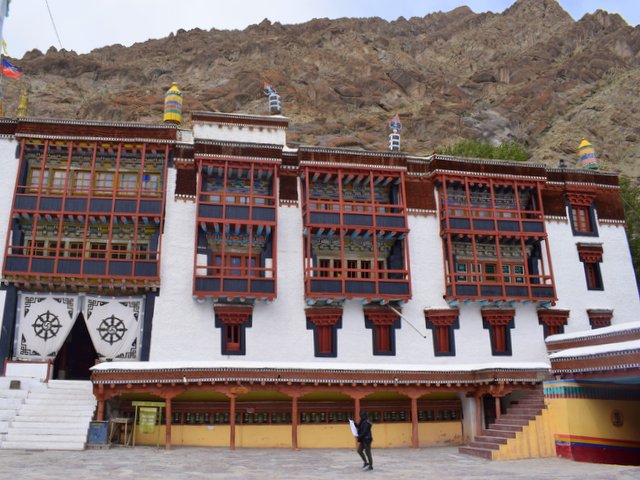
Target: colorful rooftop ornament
(274,99)
(587,156)
(173,104)
(394,137)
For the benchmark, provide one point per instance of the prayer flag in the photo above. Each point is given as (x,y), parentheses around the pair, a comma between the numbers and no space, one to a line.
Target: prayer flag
(10,70)
(4,47)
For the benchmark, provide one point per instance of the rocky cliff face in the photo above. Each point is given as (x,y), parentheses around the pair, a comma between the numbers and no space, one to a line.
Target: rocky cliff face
(530,74)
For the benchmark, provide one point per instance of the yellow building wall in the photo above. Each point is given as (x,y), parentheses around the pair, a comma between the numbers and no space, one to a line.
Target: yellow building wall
(326,436)
(592,418)
(188,435)
(435,434)
(390,435)
(263,436)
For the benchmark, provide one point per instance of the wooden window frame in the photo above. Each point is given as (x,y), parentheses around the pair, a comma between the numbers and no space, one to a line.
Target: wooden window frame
(599,318)
(499,322)
(232,322)
(324,322)
(591,257)
(442,322)
(582,213)
(553,321)
(383,323)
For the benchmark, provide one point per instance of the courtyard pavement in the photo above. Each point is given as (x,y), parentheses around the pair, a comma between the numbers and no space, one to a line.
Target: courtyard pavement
(149,463)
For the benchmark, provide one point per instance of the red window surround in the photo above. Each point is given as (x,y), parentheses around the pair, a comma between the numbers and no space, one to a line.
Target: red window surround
(553,321)
(591,256)
(442,322)
(324,322)
(383,322)
(581,212)
(600,318)
(232,321)
(499,322)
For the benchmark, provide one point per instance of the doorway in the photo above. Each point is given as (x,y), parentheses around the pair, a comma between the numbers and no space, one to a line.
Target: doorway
(77,354)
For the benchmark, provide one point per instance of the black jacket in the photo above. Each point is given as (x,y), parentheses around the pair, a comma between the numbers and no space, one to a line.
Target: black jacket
(364,432)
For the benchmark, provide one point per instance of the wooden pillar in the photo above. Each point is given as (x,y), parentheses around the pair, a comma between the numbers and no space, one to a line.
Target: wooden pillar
(415,441)
(497,400)
(232,423)
(357,409)
(167,421)
(100,414)
(479,422)
(294,423)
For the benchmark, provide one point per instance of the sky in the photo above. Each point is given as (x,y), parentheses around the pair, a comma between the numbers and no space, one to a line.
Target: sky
(83,25)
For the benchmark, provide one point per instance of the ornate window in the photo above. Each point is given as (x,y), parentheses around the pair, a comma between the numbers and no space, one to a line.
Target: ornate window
(499,322)
(552,321)
(442,322)
(591,256)
(600,318)
(383,322)
(232,322)
(324,322)
(582,213)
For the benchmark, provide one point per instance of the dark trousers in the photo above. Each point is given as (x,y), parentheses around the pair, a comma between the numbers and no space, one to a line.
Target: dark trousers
(366,448)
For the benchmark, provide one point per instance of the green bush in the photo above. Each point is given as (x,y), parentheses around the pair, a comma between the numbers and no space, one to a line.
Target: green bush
(476,149)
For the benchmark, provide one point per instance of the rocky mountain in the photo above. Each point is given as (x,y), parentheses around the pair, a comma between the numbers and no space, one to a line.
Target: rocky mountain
(530,74)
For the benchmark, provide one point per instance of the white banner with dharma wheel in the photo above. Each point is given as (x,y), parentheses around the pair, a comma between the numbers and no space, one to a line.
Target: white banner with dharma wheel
(44,320)
(114,325)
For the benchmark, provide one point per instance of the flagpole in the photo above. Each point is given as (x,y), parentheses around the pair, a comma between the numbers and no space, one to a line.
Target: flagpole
(3,13)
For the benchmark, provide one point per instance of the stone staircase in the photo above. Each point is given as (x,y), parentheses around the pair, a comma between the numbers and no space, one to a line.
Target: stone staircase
(523,432)
(10,402)
(51,416)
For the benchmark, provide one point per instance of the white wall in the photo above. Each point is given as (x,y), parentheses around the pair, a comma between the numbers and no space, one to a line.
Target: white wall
(9,169)
(183,329)
(619,294)
(237,133)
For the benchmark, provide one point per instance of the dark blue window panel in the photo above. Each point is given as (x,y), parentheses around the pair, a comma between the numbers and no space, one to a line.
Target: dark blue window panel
(479,224)
(516,291)
(239,213)
(263,286)
(75,204)
(353,286)
(355,219)
(16,264)
(508,225)
(467,290)
(207,284)
(532,226)
(100,205)
(394,288)
(460,223)
(387,221)
(326,286)
(120,268)
(94,267)
(210,211)
(235,285)
(126,206)
(25,202)
(262,213)
(490,290)
(69,266)
(51,204)
(325,218)
(150,206)
(146,269)
(42,265)
(542,292)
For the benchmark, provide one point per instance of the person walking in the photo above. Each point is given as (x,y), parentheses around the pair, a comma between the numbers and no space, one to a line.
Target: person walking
(364,441)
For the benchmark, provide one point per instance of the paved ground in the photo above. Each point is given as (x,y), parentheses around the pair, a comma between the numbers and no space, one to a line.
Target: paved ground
(148,463)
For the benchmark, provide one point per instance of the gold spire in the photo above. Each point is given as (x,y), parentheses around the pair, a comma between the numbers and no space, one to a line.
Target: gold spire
(24,103)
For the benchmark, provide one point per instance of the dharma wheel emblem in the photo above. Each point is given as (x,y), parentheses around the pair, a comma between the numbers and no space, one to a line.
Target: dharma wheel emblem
(111,329)
(46,325)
